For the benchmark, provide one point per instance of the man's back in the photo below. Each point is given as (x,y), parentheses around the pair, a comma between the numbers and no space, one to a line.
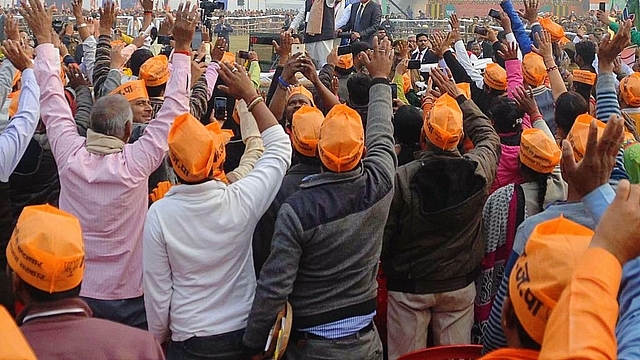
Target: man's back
(73,334)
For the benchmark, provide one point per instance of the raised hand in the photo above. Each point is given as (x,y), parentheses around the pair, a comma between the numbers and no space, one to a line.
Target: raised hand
(505,21)
(402,66)
(545,46)
(76,79)
(147,5)
(11,28)
(602,17)
(218,49)
(509,52)
(381,59)
(530,11)
(599,158)
(525,100)
(237,82)
(444,83)
(206,37)
(117,59)
(308,69)
(197,69)
(14,52)
(293,66)
(185,26)
(76,6)
(609,49)
(402,49)
(284,48)
(455,28)
(440,44)
(332,58)
(107,17)
(38,18)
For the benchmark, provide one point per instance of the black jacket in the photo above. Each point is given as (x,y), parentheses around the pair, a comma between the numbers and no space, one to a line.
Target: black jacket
(369,21)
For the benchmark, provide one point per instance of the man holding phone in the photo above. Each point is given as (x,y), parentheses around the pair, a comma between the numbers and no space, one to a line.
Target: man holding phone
(223,29)
(319,32)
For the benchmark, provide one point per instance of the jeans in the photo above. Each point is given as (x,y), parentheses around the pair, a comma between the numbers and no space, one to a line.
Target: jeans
(362,347)
(226,346)
(128,311)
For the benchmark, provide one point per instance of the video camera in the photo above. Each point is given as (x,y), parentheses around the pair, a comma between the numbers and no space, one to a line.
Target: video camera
(209,6)
(57,25)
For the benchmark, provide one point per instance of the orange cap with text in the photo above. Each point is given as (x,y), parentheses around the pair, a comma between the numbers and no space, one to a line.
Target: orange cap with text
(195,151)
(443,127)
(579,134)
(155,71)
(533,69)
(305,130)
(495,77)
(345,61)
(46,249)
(300,90)
(132,90)
(555,30)
(538,151)
(341,141)
(630,89)
(584,77)
(544,269)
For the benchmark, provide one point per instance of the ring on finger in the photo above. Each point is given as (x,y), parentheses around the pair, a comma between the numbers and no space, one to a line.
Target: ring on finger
(234,70)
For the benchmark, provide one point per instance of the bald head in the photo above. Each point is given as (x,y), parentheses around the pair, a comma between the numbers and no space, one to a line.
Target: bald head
(111,115)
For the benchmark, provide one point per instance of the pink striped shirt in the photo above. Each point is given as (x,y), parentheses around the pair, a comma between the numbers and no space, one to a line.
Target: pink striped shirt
(107,193)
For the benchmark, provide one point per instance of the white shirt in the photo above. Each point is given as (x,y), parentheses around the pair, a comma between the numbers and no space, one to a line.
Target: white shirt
(16,136)
(301,16)
(199,278)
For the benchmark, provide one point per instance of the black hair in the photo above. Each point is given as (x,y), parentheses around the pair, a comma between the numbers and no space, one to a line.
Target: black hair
(506,116)
(359,46)
(137,59)
(358,86)
(571,54)
(531,175)
(307,160)
(584,90)
(43,296)
(156,91)
(525,340)
(421,35)
(407,126)
(587,51)
(568,106)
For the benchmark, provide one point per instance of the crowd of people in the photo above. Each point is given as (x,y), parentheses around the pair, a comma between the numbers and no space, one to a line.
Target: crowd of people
(155,203)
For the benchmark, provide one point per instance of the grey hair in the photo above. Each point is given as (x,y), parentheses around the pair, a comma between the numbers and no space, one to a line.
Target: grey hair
(110,115)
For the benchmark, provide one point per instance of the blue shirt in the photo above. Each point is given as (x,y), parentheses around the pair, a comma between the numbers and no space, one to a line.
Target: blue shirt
(341,328)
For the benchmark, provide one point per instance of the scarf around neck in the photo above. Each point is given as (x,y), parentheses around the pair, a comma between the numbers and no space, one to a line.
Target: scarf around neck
(102,144)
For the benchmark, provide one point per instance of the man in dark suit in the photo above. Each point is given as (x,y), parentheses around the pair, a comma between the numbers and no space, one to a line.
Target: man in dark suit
(364,21)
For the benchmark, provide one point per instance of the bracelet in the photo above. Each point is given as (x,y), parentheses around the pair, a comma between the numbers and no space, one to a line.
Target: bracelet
(550,69)
(283,83)
(257,100)
(83,25)
(182,52)
(148,11)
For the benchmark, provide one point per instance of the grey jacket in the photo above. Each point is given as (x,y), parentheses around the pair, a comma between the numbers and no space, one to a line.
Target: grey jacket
(328,238)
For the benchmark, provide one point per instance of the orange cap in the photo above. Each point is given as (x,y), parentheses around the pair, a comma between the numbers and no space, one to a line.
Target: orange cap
(555,30)
(539,152)
(579,134)
(443,127)
(341,141)
(132,90)
(345,61)
(544,269)
(13,344)
(13,105)
(533,69)
(630,89)
(406,82)
(195,150)
(46,249)
(155,71)
(305,130)
(584,77)
(116,42)
(495,77)
(465,89)
(228,58)
(300,89)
